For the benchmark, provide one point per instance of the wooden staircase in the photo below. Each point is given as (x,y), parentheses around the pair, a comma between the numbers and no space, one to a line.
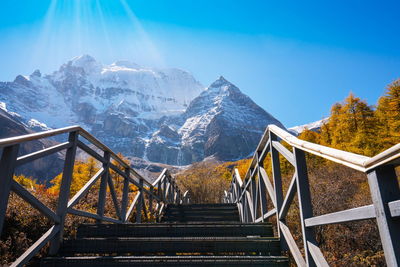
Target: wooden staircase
(188,235)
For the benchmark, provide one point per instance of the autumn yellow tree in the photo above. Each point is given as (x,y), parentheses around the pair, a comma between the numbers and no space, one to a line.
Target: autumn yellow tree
(82,173)
(388,115)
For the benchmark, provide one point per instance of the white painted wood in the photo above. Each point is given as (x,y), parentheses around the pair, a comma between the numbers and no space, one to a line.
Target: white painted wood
(290,194)
(292,245)
(355,214)
(266,215)
(268,184)
(394,207)
(42,153)
(82,192)
(283,151)
(317,255)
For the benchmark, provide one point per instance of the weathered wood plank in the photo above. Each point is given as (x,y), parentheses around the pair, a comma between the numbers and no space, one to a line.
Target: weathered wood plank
(7,167)
(317,255)
(103,186)
(92,216)
(65,189)
(355,214)
(394,207)
(42,153)
(283,151)
(290,194)
(36,203)
(132,206)
(82,192)
(266,215)
(305,204)
(384,188)
(292,245)
(34,249)
(270,188)
(114,196)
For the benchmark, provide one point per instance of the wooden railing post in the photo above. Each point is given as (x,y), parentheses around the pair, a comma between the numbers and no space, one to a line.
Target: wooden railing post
(65,189)
(159,190)
(125,193)
(151,200)
(164,188)
(7,167)
(139,206)
(276,174)
(305,205)
(384,188)
(103,186)
(262,194)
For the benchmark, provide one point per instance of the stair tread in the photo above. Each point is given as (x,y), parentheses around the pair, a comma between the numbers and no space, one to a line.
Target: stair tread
(184,238)
(231,260)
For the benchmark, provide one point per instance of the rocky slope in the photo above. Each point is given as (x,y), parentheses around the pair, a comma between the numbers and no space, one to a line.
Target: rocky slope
(42,169)
(159,115)
(221,121)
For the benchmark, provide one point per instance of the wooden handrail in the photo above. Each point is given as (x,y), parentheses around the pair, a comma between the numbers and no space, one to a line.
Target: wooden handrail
(9,161)
(382,179)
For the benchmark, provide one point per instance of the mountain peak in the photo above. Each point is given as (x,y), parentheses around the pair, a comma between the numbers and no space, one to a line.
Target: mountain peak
(36,73)
(86,62)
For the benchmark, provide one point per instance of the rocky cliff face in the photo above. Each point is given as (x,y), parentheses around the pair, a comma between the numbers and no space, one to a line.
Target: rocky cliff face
(159,115)
(42,169)
(221,121)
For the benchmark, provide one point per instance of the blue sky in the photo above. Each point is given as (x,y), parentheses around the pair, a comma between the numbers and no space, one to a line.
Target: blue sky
(293,58)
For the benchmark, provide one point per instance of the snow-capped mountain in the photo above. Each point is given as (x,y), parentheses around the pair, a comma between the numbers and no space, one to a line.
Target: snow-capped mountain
(221,121)
(160,115)
(84,91)
(312,126)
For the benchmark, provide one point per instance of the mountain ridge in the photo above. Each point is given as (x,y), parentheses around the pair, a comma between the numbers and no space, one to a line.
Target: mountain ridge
(161,116)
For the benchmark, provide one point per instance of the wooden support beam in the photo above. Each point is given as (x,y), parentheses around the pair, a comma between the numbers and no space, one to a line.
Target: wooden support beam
(65,189)
(132,206)
(42,153)
(82,192)
(317,255)
(114,197)
(294,249)
(384,189)
(36,247)
(36,203)
(283,151)
(276,173)
(139,206)
(268,185)
(103,186)
(355,214)
(305,205)
(125,193)
(290,194)
(7,167)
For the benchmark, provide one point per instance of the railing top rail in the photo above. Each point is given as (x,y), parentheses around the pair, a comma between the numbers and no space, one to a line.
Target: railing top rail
(35,136)
(352,160)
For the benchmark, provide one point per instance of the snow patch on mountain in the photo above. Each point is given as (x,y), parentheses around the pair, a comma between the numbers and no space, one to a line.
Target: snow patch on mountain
(313,126)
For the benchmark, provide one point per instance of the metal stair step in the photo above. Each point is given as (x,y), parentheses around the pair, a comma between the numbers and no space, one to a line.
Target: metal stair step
(267,245)
(237,261)
(172,230)
(202,206)
(202,212)
(199,219)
